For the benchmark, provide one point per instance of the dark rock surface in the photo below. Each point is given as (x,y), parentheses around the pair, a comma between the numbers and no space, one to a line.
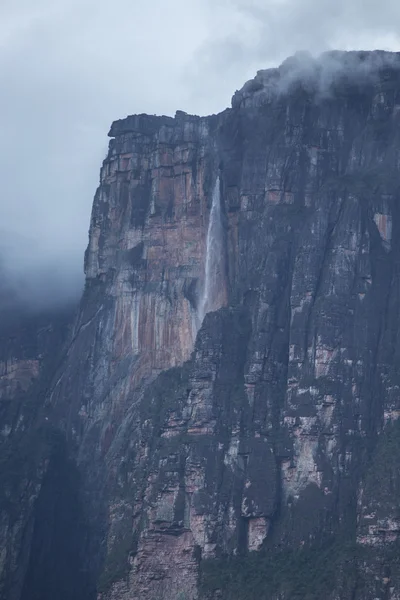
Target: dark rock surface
(255,454)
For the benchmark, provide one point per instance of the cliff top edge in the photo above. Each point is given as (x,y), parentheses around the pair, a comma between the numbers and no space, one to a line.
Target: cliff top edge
(319,75)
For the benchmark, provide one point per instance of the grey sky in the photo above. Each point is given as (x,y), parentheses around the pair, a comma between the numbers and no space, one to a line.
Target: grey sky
(70,67)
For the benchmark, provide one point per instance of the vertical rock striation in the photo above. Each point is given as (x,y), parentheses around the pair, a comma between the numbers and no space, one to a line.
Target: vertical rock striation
(232,459)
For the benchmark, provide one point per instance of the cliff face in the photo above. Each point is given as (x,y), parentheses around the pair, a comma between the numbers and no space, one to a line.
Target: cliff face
(236,455)
(30,350)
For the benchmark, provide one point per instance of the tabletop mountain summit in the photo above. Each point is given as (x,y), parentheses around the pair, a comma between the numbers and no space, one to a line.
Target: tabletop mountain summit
(219,418)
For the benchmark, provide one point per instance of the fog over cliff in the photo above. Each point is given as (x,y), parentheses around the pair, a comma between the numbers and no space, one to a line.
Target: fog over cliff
(70,68)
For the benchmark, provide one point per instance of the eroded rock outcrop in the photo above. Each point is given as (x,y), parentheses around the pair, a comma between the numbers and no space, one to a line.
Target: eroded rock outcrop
(226,457)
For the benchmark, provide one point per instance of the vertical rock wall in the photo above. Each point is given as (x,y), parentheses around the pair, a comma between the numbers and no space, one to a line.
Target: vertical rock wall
(30,350)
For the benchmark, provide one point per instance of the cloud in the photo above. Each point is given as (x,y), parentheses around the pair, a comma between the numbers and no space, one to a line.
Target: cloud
(70,67)
(320,76)
(248,35)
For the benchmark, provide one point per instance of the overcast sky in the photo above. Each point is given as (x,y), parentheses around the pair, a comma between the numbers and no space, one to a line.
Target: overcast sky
(68,68)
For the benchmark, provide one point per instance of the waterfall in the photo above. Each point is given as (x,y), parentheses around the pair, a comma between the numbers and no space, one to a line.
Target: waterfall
(214,287)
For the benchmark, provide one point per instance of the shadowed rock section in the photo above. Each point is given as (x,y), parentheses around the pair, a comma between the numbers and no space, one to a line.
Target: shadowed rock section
(258,455)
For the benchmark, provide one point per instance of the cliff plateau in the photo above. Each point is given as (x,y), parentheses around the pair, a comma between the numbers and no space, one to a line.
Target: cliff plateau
(219,418)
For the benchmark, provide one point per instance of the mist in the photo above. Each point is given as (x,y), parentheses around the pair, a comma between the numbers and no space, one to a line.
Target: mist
(69,68)
(320,76)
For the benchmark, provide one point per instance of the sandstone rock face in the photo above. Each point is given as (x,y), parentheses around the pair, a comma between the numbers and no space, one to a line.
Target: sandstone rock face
(191,450)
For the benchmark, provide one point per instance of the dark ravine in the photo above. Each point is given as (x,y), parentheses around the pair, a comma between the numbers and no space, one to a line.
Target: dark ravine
(255,455)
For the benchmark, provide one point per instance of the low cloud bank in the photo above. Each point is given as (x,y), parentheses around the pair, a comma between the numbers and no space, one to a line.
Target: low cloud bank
(322,75)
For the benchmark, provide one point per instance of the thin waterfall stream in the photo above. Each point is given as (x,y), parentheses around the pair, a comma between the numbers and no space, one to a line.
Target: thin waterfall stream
(214,288)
